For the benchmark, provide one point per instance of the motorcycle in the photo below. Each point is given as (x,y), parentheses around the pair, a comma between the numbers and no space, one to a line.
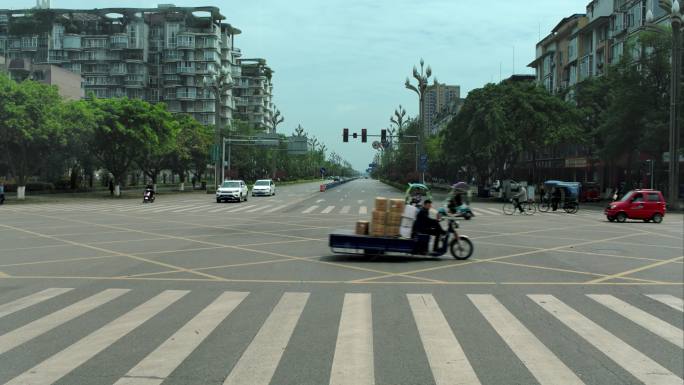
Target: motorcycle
(148,196)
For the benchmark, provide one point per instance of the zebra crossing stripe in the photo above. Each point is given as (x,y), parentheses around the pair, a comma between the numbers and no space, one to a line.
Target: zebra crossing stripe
(639,365)
(159,364)
(328,209)
(363,210)
(537,358)
(60,364)
(30,300)
(33,329)
(345,210)
(653,324)
(258,209)
(353,359)
(447,360)
(259,361)
(167,208)
(243,208)
(195,207)
(277,208)
(310,209)
(669,300)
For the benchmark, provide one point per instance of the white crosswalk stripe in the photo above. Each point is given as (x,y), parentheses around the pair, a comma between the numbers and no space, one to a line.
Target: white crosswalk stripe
(639,365)
(669,300)
(259,361)
(447,360)
(23,303)
(310,209)
(59,365)
(243,208)
(538,359)
(643,319)
(159,364)
(277,208)
(260,208)
(43,325)
(363,210)
(328,209)
(353,360)
(345,210)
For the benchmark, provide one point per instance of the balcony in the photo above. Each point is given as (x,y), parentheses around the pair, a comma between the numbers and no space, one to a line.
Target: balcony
(185,42)
(186,70)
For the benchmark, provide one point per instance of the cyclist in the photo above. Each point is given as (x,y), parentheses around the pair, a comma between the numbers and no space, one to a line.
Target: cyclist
(519,198)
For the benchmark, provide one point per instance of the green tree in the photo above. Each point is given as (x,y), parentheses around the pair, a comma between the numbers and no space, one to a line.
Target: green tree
(124,131)
(30,127)
(157,152)
(191,147)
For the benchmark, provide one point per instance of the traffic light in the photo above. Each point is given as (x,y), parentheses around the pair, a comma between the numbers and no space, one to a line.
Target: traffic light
(345,135)
(355,135)
(383,136)
(364,136)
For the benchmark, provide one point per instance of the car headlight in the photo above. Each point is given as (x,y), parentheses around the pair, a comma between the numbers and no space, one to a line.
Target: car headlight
(612,207)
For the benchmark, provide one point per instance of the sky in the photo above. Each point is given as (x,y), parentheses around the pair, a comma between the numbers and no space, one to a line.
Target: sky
(342,63)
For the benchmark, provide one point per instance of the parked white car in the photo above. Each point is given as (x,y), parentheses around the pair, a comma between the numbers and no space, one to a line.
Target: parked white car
(232,190)
(264,187)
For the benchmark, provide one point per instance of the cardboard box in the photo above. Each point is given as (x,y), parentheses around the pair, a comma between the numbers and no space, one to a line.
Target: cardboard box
(394,219)
(392,231)
(410,212)
(362,227)
(379,217)
(381,204)
(378,230)
(397,205)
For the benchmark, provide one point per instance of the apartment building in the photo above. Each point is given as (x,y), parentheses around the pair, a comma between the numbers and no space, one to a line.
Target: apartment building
(157,54)
(556,62)
(69,84)
(585,45)
(438,98)
(253,93)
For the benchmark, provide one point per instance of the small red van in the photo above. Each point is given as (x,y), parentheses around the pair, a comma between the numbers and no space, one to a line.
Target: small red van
(647,205)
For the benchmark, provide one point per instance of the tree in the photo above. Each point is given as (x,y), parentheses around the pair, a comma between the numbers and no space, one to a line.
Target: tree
(123,134)
(191,147)
(157,152)
(30,127)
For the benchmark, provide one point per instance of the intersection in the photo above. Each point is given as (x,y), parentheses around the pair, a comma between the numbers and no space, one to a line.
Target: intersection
(110,287)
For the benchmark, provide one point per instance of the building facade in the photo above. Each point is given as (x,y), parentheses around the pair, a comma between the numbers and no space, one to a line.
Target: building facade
(69,84)
(253,93)
(157,54)
(438,98)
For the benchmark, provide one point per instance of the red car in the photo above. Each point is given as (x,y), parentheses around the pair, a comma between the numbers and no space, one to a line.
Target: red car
(647,205)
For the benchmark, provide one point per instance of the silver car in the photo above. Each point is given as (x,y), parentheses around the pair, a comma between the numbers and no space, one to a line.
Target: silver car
(264,187)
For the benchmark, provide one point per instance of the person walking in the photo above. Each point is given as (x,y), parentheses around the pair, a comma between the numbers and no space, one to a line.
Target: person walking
(111,187)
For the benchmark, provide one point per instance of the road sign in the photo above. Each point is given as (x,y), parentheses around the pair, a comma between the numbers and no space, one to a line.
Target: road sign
(215,153)
(322,170)
(423,162)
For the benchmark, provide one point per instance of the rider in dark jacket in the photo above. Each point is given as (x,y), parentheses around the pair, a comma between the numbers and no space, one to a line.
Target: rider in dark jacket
(426,225)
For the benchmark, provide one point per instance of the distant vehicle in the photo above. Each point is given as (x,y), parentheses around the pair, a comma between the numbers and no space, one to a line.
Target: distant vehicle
(232,190)
(647,205)
(2,194)
(336,178)
(264,187)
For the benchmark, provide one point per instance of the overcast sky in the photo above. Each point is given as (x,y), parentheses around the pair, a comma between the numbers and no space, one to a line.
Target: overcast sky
(342,63)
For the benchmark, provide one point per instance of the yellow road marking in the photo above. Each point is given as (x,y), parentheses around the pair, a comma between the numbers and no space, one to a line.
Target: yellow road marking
(59,260)
(568,271)
(116,252)
(492,259)
(4,275)
(628,272)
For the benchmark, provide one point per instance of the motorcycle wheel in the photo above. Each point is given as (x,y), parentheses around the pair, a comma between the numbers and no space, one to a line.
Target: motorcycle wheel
(461,249)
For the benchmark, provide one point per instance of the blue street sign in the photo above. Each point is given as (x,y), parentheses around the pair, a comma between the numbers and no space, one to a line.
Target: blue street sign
(322,170)
(423,158)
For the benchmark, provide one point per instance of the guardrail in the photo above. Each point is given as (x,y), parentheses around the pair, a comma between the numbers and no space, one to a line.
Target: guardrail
(326,186)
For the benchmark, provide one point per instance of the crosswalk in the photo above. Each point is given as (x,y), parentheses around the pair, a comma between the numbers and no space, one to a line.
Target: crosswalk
(354,357)
(260,206)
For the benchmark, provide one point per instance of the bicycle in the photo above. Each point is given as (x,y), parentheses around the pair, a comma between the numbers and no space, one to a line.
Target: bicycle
(570,207)
(529,208)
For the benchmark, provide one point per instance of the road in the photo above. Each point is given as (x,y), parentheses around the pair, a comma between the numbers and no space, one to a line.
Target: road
(188,291)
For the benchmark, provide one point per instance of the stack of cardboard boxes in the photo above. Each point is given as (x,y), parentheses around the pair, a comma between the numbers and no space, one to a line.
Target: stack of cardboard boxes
(386,218)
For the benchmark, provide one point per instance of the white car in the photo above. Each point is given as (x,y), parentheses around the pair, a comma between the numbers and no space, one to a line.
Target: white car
(264,187)
(232,190)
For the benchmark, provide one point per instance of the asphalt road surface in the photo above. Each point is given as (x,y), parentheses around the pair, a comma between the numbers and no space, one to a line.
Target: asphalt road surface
(188,291)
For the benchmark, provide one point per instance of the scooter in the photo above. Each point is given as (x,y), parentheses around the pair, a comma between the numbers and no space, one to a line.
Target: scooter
(148,196)
(464,211)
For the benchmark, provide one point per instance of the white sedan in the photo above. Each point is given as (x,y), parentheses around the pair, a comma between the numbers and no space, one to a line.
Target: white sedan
(264,187)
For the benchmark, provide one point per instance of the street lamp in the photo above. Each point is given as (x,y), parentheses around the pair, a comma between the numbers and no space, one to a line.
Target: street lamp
(674,11)
(422,78)
(219,83)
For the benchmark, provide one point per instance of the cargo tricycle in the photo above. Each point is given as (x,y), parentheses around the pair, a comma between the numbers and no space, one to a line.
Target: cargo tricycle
(460,246)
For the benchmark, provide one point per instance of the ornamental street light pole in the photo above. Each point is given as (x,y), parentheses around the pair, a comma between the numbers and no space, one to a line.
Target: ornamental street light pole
(219,83)
(674,11)
(675,90)
(422,79)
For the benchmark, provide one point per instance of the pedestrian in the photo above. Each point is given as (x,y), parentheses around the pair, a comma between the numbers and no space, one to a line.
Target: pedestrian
(111,187)
(194,181)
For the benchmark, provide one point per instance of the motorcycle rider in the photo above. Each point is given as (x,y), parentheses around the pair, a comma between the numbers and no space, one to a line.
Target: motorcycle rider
(426,225)
(149,192)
